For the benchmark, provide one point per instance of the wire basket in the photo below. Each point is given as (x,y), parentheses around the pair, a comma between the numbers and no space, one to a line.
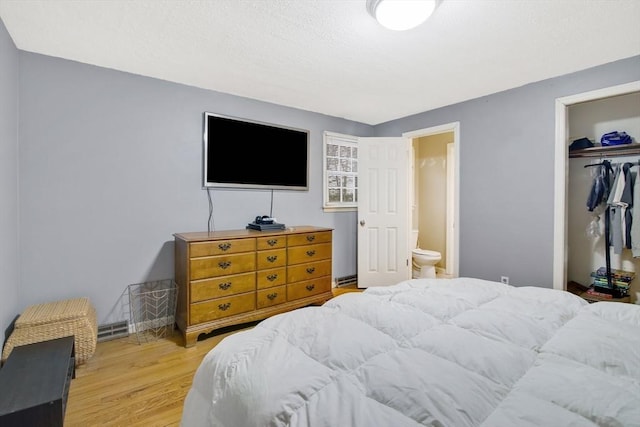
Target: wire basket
(152,309)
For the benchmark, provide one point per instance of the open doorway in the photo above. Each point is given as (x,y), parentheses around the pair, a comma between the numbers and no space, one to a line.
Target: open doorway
(561,184)
(434,206)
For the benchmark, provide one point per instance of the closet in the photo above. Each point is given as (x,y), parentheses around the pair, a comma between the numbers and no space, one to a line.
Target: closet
(587,250)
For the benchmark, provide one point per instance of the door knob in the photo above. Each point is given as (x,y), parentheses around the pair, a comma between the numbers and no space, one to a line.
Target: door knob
(362,222)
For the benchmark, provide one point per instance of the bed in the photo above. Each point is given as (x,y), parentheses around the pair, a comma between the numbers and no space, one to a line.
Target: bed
(435,352)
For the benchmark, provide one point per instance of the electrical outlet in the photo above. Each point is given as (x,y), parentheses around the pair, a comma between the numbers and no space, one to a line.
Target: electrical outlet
(505,280)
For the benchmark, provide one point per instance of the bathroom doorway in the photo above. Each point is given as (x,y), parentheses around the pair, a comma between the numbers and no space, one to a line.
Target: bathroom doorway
(433,204)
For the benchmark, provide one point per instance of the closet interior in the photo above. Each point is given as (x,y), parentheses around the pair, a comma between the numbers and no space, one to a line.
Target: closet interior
(594,230)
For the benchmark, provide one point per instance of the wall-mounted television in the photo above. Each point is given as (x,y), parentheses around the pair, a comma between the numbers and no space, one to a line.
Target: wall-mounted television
(242,153)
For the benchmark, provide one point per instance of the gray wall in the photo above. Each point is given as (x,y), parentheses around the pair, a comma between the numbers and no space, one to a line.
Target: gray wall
(9,273)
(110,168)
(507,143)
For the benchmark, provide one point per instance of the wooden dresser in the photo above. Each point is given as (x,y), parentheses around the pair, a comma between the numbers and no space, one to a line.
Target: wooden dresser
(231,277)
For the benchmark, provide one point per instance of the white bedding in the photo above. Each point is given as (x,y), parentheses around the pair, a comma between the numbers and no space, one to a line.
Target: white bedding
(457,352)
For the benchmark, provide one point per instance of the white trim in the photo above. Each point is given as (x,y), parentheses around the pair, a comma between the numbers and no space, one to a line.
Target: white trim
(451,206)
(560,199)
(326,205)
(341,135)
(561,171)
(340,209)
(448,127)
(455,128)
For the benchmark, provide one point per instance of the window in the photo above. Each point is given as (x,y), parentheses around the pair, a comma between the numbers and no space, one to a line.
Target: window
(340,166)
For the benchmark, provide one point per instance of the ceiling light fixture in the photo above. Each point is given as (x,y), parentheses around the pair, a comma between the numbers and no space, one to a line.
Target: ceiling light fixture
(400,15)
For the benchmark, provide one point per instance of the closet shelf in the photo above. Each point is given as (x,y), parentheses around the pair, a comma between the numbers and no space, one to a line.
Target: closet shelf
(632,149)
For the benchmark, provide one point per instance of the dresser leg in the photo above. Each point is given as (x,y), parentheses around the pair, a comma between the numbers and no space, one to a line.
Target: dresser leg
(190,339)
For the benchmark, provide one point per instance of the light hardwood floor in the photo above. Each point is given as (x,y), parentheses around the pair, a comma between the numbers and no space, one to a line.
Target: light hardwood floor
(343,289)
(129,384)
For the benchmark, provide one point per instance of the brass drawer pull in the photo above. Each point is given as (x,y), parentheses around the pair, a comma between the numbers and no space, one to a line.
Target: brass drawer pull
(224,264)
(272,258)
(272,277)
(224,246)
(311,238)
(225,306)
(272,242)
(310,287)
(311,253)
(310,270)
(224,286)
(272,296)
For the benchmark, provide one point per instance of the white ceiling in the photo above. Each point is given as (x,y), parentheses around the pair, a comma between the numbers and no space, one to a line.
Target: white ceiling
(330,56)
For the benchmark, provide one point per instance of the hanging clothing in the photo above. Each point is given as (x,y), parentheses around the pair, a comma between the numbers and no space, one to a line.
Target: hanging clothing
(617,188)
(616,229)
(620,202)
(627,192)
(628,224)
(600,187)
(635,213)
(619,196)
(622,206)
(627,197)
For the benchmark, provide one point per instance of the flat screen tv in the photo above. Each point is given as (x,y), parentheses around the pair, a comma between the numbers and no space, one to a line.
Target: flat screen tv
(241,153)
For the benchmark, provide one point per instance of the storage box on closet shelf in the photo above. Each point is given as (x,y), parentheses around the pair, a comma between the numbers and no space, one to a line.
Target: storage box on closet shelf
(620,283)
(615,138)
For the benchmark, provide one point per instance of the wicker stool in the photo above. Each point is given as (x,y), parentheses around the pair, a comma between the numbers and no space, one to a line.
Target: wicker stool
(48,321)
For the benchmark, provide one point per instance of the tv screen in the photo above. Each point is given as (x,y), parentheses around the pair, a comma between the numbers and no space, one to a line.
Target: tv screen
(241,153)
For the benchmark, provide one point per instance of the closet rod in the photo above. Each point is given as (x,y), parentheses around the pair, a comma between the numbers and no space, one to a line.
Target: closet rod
(606,163)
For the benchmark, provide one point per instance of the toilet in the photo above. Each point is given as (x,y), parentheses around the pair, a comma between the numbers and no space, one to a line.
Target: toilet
(424,261)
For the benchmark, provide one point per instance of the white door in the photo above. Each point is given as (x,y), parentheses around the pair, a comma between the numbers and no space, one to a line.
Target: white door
(384,256)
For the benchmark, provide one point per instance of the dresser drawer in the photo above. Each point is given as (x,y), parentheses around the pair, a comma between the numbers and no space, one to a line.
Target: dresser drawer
(229,277)
(222,307)
(273,242)
(272,296)
(271,278)
(225,265)
(309,253)
(221,247)
(312,270)
(222,286)
(306,289)
(271,259)
(309,238)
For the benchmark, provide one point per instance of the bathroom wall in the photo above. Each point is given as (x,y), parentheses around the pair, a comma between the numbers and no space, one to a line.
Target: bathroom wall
(431,195)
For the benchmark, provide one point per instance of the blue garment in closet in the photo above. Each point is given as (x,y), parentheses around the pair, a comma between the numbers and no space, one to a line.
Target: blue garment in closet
(599,189)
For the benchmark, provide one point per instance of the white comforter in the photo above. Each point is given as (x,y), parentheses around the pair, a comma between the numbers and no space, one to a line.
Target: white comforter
(458,352)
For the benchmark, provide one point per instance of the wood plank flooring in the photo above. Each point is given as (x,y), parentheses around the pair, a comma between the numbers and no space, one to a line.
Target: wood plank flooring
(343,289)
(129,384)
